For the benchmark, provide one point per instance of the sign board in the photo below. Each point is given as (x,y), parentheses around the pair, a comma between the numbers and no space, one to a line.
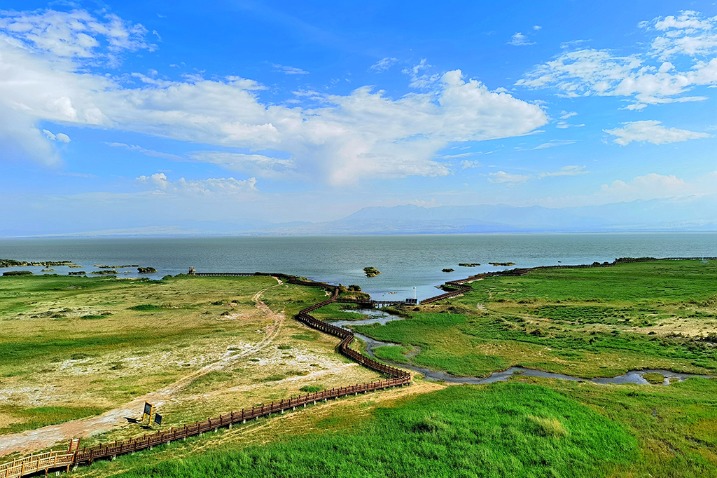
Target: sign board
(157,418)
(147,408)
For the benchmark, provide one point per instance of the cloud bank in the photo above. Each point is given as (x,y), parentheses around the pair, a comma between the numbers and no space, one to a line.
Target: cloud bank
(345,139)
(646,78)
(651,132)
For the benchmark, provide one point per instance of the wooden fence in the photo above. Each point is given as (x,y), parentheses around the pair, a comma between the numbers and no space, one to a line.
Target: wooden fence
(37,463)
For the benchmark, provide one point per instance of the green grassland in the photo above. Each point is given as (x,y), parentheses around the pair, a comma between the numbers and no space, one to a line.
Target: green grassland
(588,322)
(74,347)
(525,428)
(338,311)
(508,429)
(675,426)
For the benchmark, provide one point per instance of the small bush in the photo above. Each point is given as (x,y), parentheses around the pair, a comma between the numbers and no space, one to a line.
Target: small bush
(145,307)
(312,388)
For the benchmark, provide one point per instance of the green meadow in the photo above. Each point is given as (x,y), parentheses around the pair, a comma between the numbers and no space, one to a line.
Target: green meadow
(75,347)
(587,322)
(509,429)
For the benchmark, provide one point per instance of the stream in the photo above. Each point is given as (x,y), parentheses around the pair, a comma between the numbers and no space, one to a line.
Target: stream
(379,317)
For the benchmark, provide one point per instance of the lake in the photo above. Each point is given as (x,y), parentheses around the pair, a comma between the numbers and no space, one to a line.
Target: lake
(405,262)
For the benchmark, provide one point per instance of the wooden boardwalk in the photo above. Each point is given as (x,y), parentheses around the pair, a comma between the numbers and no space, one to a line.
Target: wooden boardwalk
(32,464)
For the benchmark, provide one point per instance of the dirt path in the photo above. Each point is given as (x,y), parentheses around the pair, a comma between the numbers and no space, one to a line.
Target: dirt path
(45,437)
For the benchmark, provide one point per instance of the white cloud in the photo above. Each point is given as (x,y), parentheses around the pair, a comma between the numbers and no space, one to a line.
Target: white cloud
(645,77)
(651,132)
(501,177)
(289,70)
(419,79)
(458,155)
(641,188)
(553,143)
(649,186)
(20,139)
(222,186)
(572,170)
(256,163)
(76,35)
(685,34)
(582,72)
(344,139)
(384,64)
(158,180)
(519,39)
(59,137)
(470,164)
(147,152)
(537,27)
(563,123)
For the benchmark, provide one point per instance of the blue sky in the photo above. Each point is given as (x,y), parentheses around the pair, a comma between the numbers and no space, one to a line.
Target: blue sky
(161,117)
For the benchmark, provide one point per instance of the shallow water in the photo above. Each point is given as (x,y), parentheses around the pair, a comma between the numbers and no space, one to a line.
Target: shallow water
(380,317)
(405,262)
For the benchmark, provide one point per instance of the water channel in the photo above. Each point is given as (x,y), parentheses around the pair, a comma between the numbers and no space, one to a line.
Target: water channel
(375,316)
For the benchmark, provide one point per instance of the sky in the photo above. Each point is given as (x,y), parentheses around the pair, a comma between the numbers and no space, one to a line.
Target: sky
(170,117)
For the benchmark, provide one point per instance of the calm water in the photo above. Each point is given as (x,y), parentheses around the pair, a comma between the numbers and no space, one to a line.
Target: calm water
(404,261)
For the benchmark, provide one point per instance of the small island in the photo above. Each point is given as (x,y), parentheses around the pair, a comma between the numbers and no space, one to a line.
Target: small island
(502,264)
(447,269)
(371,271)
(469,264)
(45,264)
(146,270)
(17,273)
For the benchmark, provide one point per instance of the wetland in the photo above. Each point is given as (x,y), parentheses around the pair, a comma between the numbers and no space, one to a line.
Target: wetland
(547,373)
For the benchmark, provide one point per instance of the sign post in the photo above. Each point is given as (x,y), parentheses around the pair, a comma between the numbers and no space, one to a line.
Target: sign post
(147,412)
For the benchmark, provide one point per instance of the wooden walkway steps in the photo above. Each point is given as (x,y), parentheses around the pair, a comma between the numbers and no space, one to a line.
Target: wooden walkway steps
(37,463)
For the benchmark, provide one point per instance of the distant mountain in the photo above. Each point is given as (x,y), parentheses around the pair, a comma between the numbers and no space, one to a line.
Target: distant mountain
(696,214)
(692,214)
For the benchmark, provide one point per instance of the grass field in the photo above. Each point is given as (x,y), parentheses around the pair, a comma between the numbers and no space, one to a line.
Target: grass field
(74,347)
(504,430)
(586,322)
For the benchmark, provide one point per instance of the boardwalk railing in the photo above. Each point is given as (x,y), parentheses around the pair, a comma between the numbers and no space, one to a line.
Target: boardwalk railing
(37,463)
